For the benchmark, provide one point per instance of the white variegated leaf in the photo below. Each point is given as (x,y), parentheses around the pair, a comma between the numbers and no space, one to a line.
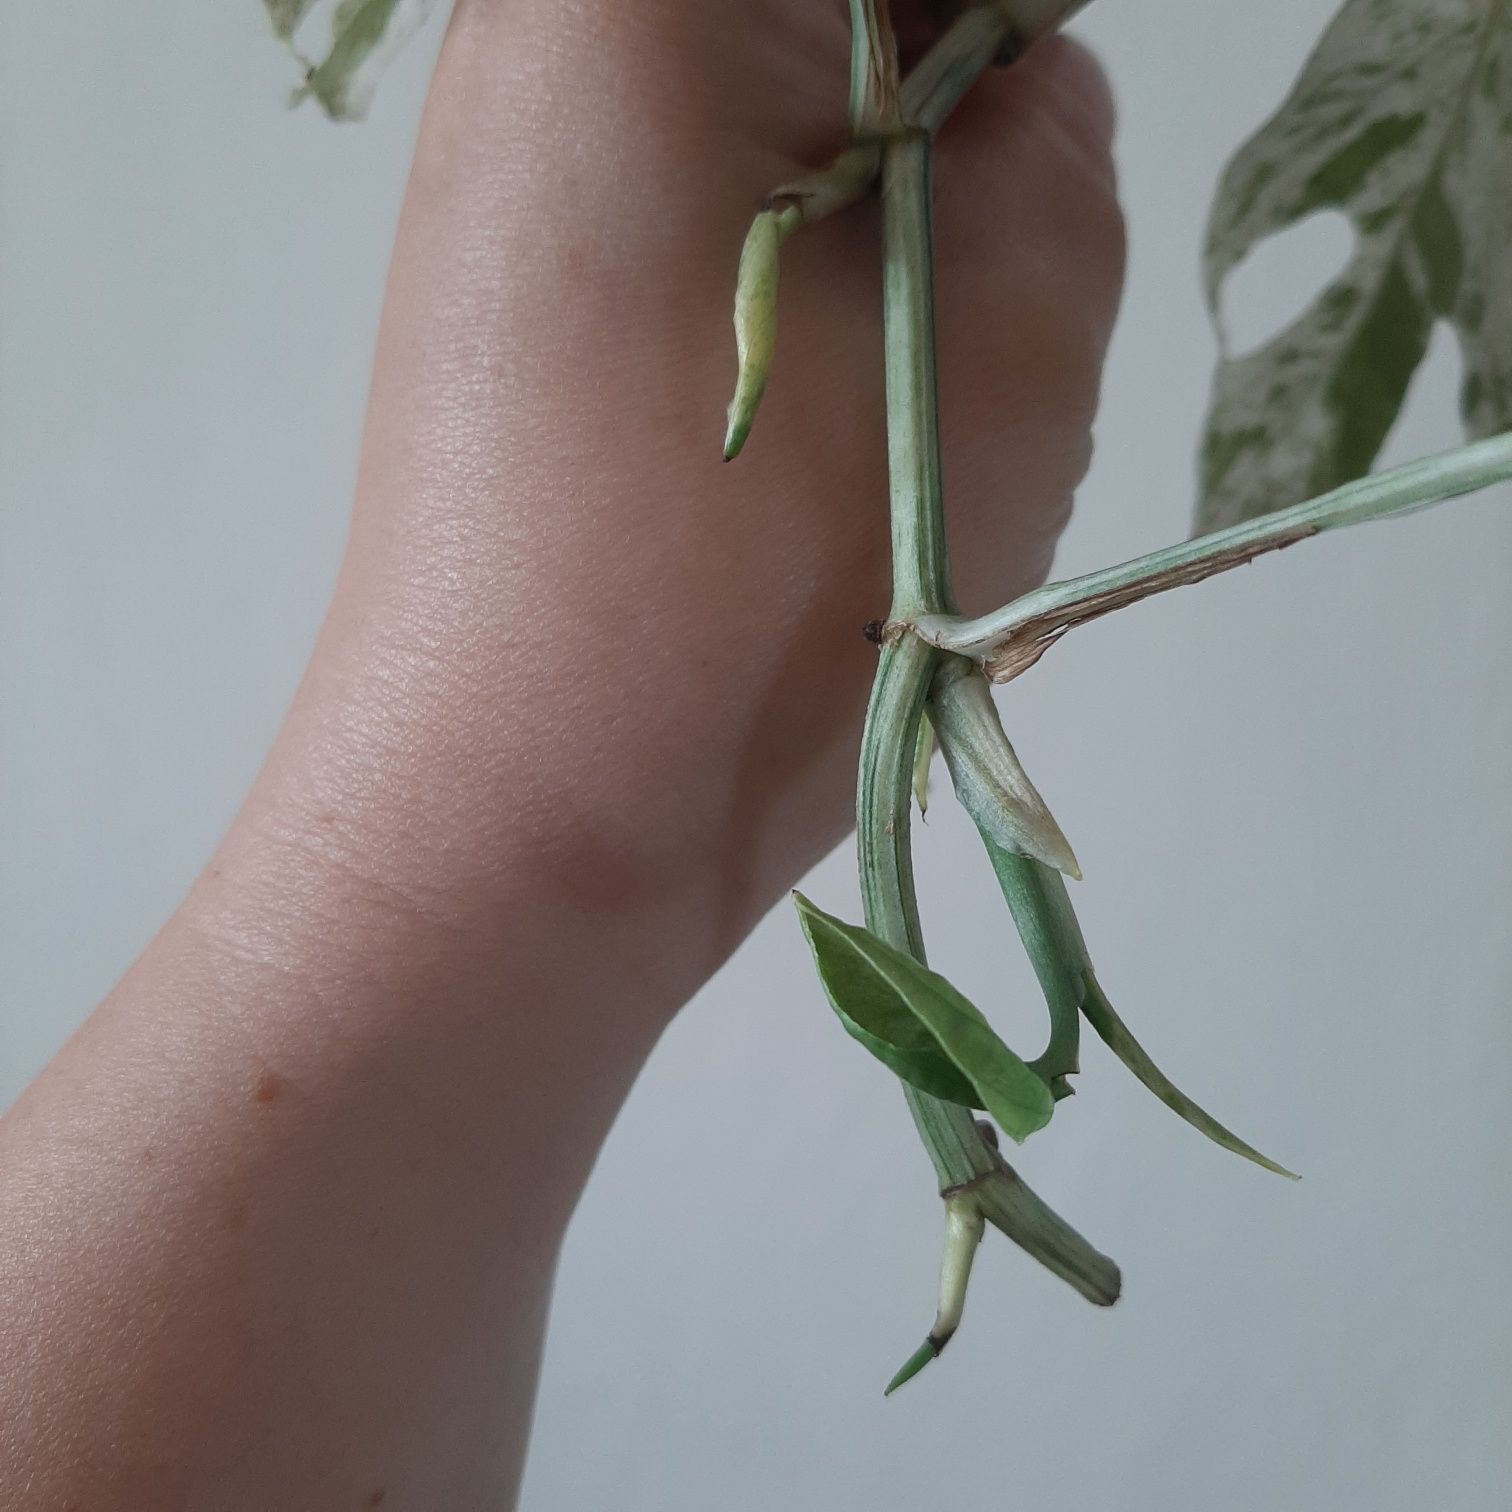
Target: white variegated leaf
(286,15)
(365,36)
(1402,120)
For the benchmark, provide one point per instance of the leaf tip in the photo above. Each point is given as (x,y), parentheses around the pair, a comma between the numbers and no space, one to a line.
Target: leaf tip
(1114,1033)
(1046,841)
(807,913)
(989,779)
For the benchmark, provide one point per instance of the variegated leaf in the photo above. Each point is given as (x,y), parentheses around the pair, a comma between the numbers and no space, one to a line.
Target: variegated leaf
(365,36)
(1402,119)
(286,15)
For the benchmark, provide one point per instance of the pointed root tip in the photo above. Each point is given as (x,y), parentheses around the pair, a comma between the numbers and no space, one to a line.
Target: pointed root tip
(735,439)
(929,1350)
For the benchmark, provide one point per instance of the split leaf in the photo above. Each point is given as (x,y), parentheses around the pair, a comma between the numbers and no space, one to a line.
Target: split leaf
(1402,120)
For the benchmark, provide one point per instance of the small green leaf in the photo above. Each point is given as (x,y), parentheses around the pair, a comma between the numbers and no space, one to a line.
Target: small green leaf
(918,1025)
(876,1017)
(1402,120)
(874,1013)
(365,35)
(1115,1034)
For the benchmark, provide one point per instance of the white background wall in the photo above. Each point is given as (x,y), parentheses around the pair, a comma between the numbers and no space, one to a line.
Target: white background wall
(1288,788)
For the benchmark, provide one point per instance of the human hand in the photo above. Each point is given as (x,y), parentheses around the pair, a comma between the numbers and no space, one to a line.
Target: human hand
(568,633)
(278,1224)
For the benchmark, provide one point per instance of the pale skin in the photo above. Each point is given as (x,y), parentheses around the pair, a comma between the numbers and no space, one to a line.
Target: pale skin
(277,1226)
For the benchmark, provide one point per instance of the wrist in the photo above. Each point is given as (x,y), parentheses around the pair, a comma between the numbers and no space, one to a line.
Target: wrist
(413,840)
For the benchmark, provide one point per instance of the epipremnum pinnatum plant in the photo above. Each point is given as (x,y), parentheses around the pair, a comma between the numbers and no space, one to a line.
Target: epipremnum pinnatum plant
(1402,121)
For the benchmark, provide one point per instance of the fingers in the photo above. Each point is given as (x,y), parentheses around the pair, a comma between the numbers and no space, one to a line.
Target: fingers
(542,509)
(1029,269)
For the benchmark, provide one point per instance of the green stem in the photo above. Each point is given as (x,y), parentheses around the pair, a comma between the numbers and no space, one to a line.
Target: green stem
(965,1160)
(920,585)
(998,32)
(1011,639)
(884,845)
(921,564)
(999,28)
(1052,939)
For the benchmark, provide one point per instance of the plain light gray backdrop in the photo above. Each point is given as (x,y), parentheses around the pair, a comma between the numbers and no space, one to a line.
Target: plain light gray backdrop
(1288,789)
